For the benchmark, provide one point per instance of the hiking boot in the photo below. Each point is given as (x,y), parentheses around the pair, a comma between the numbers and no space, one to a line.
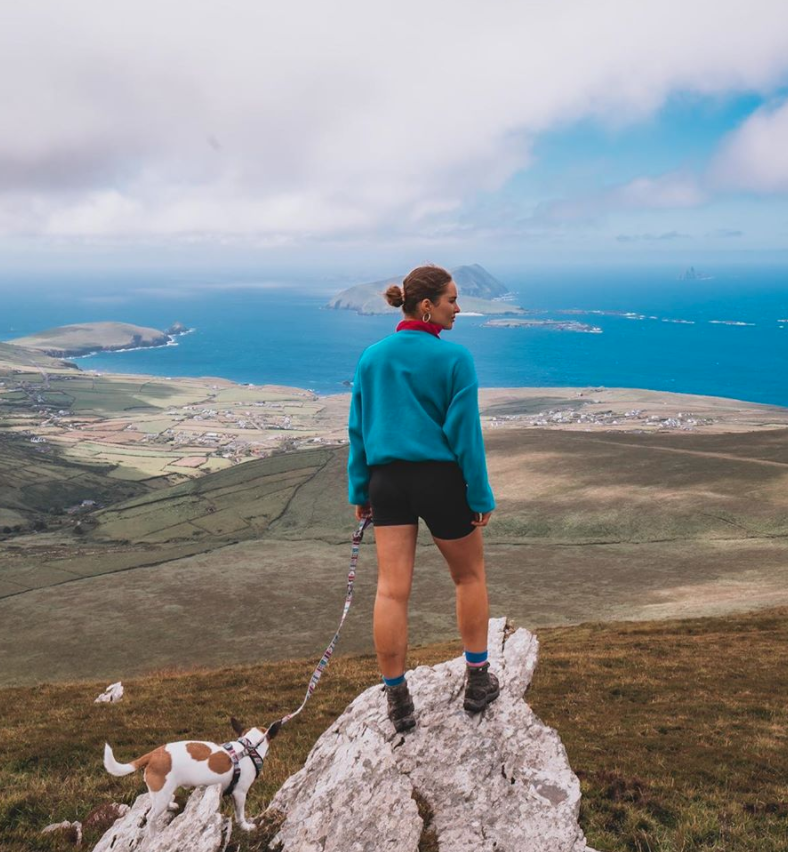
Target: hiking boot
(401,707)
(481,688)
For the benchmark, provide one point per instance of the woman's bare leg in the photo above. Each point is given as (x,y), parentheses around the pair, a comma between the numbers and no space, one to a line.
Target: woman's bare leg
(465,557)
(396,547)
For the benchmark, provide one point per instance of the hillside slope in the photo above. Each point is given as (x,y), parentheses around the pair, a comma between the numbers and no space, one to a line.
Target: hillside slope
(607,487)
(37,484)
(237,503)
(13,355)
(601,525)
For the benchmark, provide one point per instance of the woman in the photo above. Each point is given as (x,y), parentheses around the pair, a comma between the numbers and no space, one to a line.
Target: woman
(416,450)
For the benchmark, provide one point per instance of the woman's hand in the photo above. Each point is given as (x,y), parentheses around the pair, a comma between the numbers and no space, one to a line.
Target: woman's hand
(364,511)
(481,519)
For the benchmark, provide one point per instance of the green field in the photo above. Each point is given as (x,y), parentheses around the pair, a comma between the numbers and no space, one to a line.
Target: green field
(141,426)
(37,483)
(108,395)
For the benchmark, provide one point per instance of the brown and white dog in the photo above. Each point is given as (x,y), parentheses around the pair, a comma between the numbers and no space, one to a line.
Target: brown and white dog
(196,763)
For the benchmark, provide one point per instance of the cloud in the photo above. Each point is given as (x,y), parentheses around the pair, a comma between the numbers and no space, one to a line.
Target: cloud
(668,235)
(193,290)
(725,233)
(668,191)
(755,156)
(665,192)
(286,122)
(106,300)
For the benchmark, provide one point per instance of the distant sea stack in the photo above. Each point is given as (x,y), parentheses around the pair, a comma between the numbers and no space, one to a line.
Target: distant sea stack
(72,341)
(693,274)
(479,292)
(177,328)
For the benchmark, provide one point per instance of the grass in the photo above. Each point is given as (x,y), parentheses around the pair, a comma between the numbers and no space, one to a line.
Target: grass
(677,730)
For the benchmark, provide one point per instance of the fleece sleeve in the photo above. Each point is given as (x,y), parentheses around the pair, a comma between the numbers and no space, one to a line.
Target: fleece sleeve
(357,468)
(463,430)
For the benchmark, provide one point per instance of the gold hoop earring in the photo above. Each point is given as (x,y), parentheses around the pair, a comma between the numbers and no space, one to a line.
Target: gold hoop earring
(426,317)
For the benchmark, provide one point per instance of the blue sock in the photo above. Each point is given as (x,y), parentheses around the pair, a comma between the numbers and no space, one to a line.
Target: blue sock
(394,681)
(476,658)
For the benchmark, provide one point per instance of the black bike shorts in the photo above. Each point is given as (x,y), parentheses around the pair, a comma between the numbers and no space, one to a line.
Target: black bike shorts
(401,492)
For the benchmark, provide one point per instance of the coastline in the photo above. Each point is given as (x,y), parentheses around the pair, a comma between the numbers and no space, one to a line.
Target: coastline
(170,342)
(613,350)
(150,426)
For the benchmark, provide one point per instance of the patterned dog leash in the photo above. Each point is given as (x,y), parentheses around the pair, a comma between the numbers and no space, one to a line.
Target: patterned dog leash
(323,664)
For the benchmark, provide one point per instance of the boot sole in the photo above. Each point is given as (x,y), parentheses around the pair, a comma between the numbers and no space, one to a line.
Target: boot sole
(478,706)
(403,725)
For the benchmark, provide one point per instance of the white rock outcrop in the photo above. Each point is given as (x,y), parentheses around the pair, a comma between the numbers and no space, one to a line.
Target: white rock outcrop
(497,782)
(72,829)
(112,694)
(200,828)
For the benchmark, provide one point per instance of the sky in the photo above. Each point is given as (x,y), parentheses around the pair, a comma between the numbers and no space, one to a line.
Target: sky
(358,134)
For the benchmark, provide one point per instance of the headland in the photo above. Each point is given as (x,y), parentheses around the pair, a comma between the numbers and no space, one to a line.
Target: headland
(75,341)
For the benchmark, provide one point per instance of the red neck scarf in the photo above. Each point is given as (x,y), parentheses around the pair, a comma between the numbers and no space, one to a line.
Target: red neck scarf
(420,325)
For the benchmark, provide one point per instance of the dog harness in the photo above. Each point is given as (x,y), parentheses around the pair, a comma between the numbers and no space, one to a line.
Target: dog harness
(236,757)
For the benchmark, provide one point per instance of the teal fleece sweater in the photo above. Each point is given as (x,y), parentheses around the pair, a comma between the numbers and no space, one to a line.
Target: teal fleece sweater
(415,397)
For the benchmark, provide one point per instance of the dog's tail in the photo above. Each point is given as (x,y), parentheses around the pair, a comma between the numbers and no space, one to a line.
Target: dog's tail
(114,768)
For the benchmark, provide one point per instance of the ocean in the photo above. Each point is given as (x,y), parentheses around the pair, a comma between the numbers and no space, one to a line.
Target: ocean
(261,331)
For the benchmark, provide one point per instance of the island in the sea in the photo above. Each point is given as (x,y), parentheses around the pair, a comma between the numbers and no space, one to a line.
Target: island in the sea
(74,341)
(693,274)
(550,325)
(479,293)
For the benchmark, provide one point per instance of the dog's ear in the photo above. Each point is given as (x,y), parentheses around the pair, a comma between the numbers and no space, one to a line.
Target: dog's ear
(273,730)
(237,726)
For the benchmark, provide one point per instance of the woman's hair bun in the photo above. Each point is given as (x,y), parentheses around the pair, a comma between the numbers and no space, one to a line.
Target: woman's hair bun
(424,282)
(395,296)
